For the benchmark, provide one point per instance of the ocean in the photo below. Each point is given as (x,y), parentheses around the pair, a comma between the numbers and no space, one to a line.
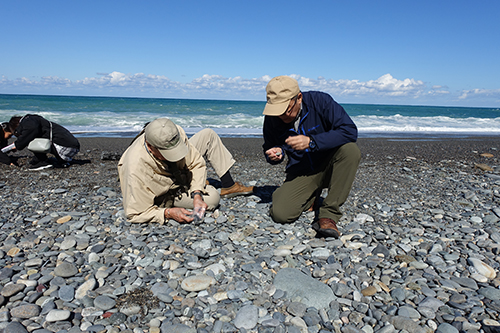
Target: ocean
(125,117)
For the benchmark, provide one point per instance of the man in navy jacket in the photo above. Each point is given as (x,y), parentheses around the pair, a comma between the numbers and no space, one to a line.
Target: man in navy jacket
(319,138)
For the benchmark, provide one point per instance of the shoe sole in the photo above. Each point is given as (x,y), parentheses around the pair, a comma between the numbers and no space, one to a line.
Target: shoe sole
(235,194)
(42,168)
(325,232)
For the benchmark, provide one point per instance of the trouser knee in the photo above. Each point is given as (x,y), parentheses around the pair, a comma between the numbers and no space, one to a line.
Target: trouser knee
(280,215)
(281,212)
(350,153)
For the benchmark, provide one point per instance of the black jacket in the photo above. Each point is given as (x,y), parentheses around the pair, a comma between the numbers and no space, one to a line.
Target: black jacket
(4,158)
(33,126)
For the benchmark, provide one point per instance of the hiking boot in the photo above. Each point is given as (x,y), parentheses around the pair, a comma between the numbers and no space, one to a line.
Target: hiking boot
(40,166)
(326,227)
(236,189)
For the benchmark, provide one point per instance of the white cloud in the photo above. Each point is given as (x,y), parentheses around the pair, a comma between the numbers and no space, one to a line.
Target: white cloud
(384,86)
(385,89)
(481,93)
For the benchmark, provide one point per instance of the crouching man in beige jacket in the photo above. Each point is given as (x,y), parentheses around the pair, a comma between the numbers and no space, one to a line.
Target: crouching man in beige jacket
(163,174)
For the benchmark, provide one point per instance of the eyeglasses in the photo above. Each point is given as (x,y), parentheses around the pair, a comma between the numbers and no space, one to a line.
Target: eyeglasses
(289,110)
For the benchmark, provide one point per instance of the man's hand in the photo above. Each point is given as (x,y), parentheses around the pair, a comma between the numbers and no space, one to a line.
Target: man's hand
(275,154)
(181,215)
(199,203)
(298,142)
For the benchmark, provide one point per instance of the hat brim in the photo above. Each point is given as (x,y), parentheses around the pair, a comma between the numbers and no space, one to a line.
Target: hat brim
(276,109)
(175,154)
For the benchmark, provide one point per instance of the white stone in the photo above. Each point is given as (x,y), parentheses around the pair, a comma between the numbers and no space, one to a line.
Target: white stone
(84,288)
(355,245)
(483,268)
(220,296)
(362,218)
(57,315)
(479,278)
(282,252)
(215,268)
(93,257)
(197,283)
(91,311)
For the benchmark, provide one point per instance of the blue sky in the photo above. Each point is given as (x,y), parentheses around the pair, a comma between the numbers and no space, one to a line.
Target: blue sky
(380,52)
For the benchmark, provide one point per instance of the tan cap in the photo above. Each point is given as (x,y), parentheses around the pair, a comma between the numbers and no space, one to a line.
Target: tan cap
(280,90)
(162,134)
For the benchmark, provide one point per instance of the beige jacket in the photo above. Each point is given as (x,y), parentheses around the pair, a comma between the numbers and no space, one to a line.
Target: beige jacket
(143,178)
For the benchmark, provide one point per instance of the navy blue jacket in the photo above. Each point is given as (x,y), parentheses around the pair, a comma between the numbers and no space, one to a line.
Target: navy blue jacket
(322,119)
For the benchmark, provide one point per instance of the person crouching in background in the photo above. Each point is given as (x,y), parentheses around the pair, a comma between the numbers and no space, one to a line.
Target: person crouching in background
(64,146)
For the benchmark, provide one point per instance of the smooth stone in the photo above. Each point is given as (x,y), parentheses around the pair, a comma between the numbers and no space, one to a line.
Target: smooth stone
(427,312)
(15,327)
(181,328)
(220,296)
(465,282)
(12,289)
(409,312)
(57,315)
(297,309)
(362,218)
(66,293)
(482,268)
(27,283)
(340,289)
(479,277)
(312,292)
(94,257)
(299,248)
(490,293)
(104,302)
(369,291)
(65,269)
(25,311)
(235,294)
(215,268)
(282,252)
(67,243)
(398,294)
(431,302)
(130,310)
(418,265)
(197,282)
(35,262)
(490,325)
(88,285)
(159,288)
(405,323)
(320,253)
(355,245)
(6,273)
(247,317)
(91,311)
(446,328)
(381,249)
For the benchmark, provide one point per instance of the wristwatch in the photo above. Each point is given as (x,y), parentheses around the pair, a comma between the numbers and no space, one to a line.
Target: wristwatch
(312,143)
(195,193)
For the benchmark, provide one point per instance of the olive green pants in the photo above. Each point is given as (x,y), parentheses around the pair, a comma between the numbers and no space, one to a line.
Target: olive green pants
(298,194)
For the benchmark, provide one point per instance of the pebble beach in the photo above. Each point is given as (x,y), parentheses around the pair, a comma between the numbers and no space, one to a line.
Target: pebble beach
(419,249)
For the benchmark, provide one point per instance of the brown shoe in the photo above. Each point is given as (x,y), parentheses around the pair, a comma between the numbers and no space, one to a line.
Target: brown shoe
(236,189)
(326,227)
